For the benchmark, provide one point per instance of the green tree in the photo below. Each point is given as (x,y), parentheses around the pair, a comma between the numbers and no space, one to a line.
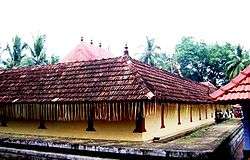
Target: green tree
(192,56)
(238,61)
(168,62)
(54,59)
(150,52)
(202,62)
(15,53)
(153,56)
(218,57)
(38,55)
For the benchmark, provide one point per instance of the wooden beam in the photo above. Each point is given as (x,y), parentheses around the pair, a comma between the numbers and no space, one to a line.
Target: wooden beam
(42,124)
(41,117)
(140,119)
(206,110)
(162,115)
(90,117)
(199,112)
(4,117)
(179,113)
(191,114)
(212,108)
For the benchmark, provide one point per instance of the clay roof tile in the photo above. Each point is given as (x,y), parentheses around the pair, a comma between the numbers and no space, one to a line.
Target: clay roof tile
(112,79)
(237,89)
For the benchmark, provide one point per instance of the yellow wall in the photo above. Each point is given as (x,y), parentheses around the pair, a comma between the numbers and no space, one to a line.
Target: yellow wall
(122,130)
(153,121)
(104,130)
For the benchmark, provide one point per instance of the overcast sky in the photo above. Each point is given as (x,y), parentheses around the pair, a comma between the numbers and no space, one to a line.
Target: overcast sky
(115,22)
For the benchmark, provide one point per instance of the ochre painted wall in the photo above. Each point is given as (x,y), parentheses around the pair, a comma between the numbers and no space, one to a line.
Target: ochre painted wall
(123,130)
(104,129)
(153,121)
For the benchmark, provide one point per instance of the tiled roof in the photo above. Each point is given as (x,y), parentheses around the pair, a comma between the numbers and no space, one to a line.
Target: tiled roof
(121,78)
(237,89)
(86,52)
(211,87)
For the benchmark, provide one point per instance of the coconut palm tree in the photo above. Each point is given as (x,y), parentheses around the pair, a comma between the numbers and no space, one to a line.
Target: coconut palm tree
(150,51)
(168,62)
(15,52)
(38,51)
(239,60)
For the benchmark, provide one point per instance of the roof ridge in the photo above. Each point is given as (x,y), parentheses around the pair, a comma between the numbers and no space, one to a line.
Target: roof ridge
(138,77)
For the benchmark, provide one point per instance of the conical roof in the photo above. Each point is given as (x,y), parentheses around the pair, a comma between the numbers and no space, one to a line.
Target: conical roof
(86,52)
(237,89)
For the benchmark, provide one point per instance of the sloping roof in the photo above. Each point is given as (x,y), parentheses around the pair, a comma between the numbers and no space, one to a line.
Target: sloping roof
(211,87)
(86,52)
(120,78)
(237,89)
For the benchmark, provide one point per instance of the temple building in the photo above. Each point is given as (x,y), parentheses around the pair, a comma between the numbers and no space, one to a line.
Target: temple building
(85,52)
(115,99)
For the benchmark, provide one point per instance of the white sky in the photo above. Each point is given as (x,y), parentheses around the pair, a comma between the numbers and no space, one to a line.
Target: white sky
(115,22)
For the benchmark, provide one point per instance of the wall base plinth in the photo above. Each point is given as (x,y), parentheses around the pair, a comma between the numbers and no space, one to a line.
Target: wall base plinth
(90,129)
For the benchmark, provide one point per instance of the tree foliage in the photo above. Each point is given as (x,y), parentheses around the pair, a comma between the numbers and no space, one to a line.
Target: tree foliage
(202,62)
(15,53)
(36,55)
(54,59)
(168,62)
(238,61)
(153,56)
(150,54)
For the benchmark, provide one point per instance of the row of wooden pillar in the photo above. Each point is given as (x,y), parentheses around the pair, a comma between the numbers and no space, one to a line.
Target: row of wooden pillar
(179,114)
(139,122)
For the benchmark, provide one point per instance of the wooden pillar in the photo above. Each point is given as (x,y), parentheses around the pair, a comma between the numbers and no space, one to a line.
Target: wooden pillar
(41,117)
(246,126)
(213,110)
(91,113)
(206,111)
(199,112)
(4,116)
(217,117)
(179,113)
(140,119)
(162,116)
(191,114)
